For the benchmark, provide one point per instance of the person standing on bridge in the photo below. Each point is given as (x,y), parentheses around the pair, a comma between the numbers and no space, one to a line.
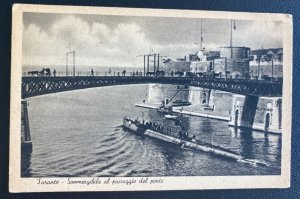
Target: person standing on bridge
(54,72)
(92,72)
(42,72)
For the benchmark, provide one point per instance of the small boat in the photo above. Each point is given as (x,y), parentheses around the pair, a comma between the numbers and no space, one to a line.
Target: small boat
(170,116)
(181,103)
(164,109)
(171,131)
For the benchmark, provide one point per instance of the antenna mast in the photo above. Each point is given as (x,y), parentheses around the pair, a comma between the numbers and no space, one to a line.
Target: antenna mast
(201,35)
(231,24)
(231,27)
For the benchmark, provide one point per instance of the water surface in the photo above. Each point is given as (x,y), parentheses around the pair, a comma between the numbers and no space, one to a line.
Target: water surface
(79,133)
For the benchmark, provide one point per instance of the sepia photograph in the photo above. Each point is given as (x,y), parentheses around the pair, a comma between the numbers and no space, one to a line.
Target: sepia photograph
(140,99)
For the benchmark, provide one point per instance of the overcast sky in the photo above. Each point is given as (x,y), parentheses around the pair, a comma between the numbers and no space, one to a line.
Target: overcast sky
(117,40)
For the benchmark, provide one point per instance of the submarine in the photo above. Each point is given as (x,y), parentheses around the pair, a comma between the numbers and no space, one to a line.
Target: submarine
(171,131)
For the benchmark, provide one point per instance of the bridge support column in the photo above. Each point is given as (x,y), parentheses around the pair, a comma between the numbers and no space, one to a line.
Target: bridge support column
(258,113)
(243,111)
(147,64)
(25,130)
(268,115)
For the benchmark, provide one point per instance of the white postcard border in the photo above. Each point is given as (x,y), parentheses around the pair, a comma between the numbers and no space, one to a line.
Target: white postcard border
(18,184)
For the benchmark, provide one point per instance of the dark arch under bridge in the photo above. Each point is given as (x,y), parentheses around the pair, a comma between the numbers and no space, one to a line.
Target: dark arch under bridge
(34,86)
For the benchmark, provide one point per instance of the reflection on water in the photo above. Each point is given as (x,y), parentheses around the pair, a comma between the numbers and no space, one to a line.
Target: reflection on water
(247,145)
(25,162)
(78,133)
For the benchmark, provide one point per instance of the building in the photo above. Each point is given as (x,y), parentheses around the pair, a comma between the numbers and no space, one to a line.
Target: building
(236,61)
(266,62)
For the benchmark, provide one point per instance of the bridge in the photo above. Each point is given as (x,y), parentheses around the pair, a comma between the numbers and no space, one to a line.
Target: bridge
(34,86)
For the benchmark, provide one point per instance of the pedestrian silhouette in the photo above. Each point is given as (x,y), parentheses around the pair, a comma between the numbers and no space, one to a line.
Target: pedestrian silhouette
(92,72)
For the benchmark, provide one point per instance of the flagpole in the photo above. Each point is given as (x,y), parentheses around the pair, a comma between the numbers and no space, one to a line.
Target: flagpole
(231,23)
(201,36)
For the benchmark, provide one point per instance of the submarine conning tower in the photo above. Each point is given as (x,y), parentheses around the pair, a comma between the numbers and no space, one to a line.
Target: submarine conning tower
(235,59)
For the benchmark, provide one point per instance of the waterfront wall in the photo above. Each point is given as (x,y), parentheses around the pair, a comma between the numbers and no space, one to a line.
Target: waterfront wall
(212,102)
(158,92)
(199,96)
(195,95)
(221,101)
(264,113)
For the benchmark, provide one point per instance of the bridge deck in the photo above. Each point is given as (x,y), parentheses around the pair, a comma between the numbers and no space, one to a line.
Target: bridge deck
(33,86)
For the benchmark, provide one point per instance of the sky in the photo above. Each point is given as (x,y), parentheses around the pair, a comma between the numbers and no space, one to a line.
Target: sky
(102,40)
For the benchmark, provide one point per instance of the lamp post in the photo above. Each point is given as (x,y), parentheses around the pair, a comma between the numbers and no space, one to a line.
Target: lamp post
(67,55)
(272,70)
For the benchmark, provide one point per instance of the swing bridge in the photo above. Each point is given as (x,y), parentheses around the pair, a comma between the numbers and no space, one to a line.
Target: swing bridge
(35,86)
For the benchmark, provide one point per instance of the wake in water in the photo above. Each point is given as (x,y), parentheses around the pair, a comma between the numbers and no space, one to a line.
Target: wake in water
(94,144)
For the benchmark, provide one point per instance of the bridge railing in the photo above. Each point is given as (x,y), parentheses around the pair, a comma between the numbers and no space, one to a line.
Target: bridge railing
(86,73)
(32,86)
(132,74)
(151,78)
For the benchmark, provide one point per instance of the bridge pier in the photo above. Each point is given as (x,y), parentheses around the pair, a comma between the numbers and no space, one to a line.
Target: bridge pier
(26,144)
(258,113)
(243,111)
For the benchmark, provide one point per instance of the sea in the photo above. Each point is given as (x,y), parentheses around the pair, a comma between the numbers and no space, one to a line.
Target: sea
(79,134)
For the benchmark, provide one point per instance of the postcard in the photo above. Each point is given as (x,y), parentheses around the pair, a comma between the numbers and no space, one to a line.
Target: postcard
(129,99)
